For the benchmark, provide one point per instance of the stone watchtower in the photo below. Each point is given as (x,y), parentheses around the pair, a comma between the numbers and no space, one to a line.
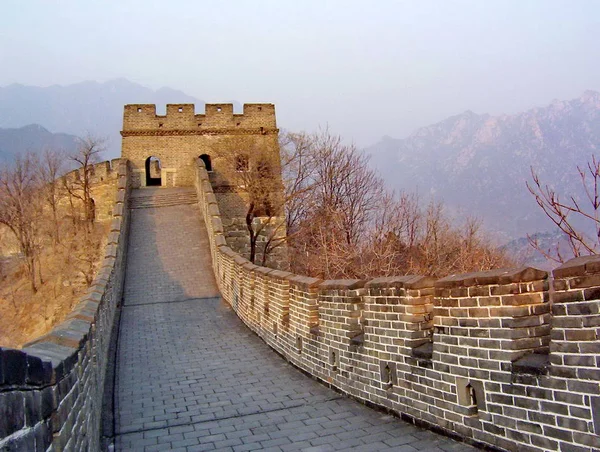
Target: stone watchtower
(163,150)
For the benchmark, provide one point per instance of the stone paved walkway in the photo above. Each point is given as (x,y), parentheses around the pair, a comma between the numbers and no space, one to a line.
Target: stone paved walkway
(192,377)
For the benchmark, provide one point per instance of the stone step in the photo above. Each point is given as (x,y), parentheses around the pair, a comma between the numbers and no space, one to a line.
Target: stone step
(162,200)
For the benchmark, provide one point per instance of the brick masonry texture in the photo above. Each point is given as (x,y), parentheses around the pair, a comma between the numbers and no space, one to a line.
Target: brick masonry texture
(178,138)
(181,136)
(191,376)
(51,391)
(494,357)
(104,178)
(509,359)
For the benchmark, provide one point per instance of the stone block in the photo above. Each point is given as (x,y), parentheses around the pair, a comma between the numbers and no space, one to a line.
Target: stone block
(595,405)
(15,366)
(49,402)
(120,197)
(116,224)
(424,351)
(38,372)
(62,358)
(43,437)
(497,276)
(12,413)
(578,266)
(118,210)
(111,250)
(404,282)
(304,282)
(21,443)
(33,407)
(534,364)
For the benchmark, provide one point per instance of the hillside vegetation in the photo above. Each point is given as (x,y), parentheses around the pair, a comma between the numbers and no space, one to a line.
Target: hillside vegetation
(66,270)
(50,239)
(343,222)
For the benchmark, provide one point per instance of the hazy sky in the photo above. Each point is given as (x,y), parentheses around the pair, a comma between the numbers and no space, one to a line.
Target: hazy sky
(365,68)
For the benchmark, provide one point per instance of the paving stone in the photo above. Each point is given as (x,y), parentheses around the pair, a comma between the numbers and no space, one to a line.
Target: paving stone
(191,376)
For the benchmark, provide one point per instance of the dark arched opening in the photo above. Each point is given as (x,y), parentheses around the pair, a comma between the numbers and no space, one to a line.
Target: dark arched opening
(91,210)
(153,171)
(472,394)
(206,159)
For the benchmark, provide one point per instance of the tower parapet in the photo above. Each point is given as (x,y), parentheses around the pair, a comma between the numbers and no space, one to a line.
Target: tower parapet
(141,119)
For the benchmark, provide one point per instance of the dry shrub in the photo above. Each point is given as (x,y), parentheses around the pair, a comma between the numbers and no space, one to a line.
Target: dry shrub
(343,223)
(49,243)
(68,270)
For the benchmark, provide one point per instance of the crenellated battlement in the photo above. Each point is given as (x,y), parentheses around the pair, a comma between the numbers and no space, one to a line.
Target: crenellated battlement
(181,135)
(99,172)
(141,119)
(52,391)
(508,358)
(103,177)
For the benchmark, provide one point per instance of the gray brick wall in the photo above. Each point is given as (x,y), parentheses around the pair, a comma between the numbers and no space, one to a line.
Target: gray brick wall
(496,357)
(51,391)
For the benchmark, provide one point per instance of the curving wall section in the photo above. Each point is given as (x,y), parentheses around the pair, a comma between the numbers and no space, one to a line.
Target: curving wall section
(51,391)
(506,358)
(103,180)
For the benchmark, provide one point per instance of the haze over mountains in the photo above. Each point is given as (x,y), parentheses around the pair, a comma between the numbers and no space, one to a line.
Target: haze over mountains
(84,107)
(479,163)
(33,138)
(475,163)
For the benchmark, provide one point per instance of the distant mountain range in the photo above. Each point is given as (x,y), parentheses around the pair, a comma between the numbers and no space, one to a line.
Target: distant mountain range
(33,138)
(478,164)
(87,107)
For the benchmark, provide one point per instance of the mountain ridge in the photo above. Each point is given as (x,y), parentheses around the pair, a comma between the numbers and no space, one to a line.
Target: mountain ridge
(83,107)
(33,138)
(480,162)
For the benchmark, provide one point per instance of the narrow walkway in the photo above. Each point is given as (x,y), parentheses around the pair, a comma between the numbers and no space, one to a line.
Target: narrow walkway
(192,377)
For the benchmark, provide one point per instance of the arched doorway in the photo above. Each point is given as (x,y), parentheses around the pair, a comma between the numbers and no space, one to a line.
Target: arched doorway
(206,159)
(92,210)
(153,172)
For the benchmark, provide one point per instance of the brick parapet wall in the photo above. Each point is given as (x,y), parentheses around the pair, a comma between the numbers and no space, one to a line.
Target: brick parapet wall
(103,182)
(488,357)
(51,391)
(140,118)
(181,136)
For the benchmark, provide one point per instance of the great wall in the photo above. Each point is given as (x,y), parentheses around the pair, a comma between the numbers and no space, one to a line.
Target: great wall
(505,359)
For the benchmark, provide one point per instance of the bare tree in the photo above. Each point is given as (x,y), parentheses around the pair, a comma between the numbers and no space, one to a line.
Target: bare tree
(50,168)
(80,187)
(20,210)
(347,225)
(255,173)
(298,166)
(345,186)
(331,194)
(572,216)
(340,220)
